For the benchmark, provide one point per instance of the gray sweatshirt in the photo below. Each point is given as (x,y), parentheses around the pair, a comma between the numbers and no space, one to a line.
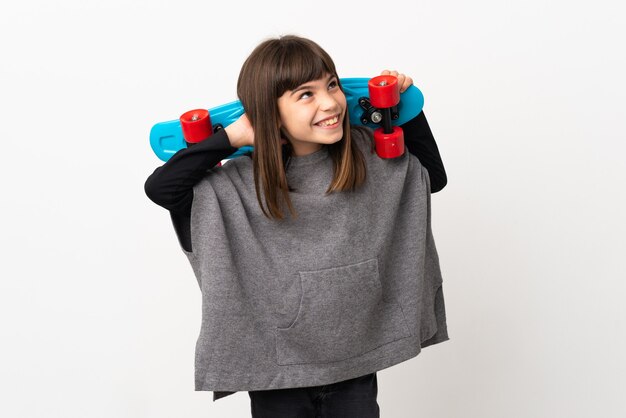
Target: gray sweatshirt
(349,287)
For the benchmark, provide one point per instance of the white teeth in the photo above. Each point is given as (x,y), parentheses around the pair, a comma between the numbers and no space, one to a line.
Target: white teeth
(329,122)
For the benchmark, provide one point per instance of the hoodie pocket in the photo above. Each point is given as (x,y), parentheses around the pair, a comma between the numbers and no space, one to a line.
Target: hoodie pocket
(342,314)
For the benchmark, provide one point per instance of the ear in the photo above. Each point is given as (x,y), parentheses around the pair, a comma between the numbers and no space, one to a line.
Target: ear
(284,139)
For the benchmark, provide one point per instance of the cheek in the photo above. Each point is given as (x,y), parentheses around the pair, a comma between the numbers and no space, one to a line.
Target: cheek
(286,125)
(298,120)
(291,126)
(285,119)
(343,102)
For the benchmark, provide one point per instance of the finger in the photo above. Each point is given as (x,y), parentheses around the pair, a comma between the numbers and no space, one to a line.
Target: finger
(401,78)
(406,83)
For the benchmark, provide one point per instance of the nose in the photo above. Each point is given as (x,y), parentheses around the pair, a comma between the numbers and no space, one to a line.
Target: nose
(327,102)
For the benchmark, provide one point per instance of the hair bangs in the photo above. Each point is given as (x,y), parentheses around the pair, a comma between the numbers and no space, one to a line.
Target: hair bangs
(299,64)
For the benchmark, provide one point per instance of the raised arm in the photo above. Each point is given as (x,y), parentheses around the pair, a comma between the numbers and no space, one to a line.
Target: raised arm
(420,142)
(171,185)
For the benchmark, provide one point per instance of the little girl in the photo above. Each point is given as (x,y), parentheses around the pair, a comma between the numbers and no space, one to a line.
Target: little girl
(315,257)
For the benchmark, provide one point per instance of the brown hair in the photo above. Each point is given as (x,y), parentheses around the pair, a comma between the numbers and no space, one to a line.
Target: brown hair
(274,67)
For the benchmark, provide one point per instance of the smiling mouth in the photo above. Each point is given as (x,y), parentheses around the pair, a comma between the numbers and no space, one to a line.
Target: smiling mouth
(328,122)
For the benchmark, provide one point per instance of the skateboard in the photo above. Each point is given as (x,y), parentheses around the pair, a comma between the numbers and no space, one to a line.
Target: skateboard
(376,103)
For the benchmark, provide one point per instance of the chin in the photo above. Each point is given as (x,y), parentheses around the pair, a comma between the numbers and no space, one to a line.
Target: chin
(336,139)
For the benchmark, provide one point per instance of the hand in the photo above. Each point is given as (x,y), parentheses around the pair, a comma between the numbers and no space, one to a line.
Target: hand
(404,81)
(240,132)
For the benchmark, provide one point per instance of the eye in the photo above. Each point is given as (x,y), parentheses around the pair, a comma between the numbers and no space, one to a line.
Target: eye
(305,95)
(333,84)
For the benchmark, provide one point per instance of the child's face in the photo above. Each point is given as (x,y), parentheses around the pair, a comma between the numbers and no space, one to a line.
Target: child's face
(312,114)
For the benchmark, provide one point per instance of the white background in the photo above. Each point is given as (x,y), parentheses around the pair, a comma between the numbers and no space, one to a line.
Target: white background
(99,308)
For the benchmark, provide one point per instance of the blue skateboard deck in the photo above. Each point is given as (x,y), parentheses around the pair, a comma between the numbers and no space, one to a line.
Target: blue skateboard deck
(166,138)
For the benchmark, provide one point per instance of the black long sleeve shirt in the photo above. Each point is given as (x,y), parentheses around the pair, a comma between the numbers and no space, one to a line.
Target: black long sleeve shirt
(171,185)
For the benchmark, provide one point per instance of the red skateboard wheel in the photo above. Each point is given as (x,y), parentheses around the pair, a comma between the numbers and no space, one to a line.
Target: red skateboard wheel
(384,91)
(389,145)
(196,125)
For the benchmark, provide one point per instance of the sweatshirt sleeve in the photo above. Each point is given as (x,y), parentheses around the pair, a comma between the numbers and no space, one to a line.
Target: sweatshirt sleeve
(420,142)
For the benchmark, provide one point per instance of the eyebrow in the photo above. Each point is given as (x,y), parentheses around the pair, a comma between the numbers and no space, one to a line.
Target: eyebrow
(308,86)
